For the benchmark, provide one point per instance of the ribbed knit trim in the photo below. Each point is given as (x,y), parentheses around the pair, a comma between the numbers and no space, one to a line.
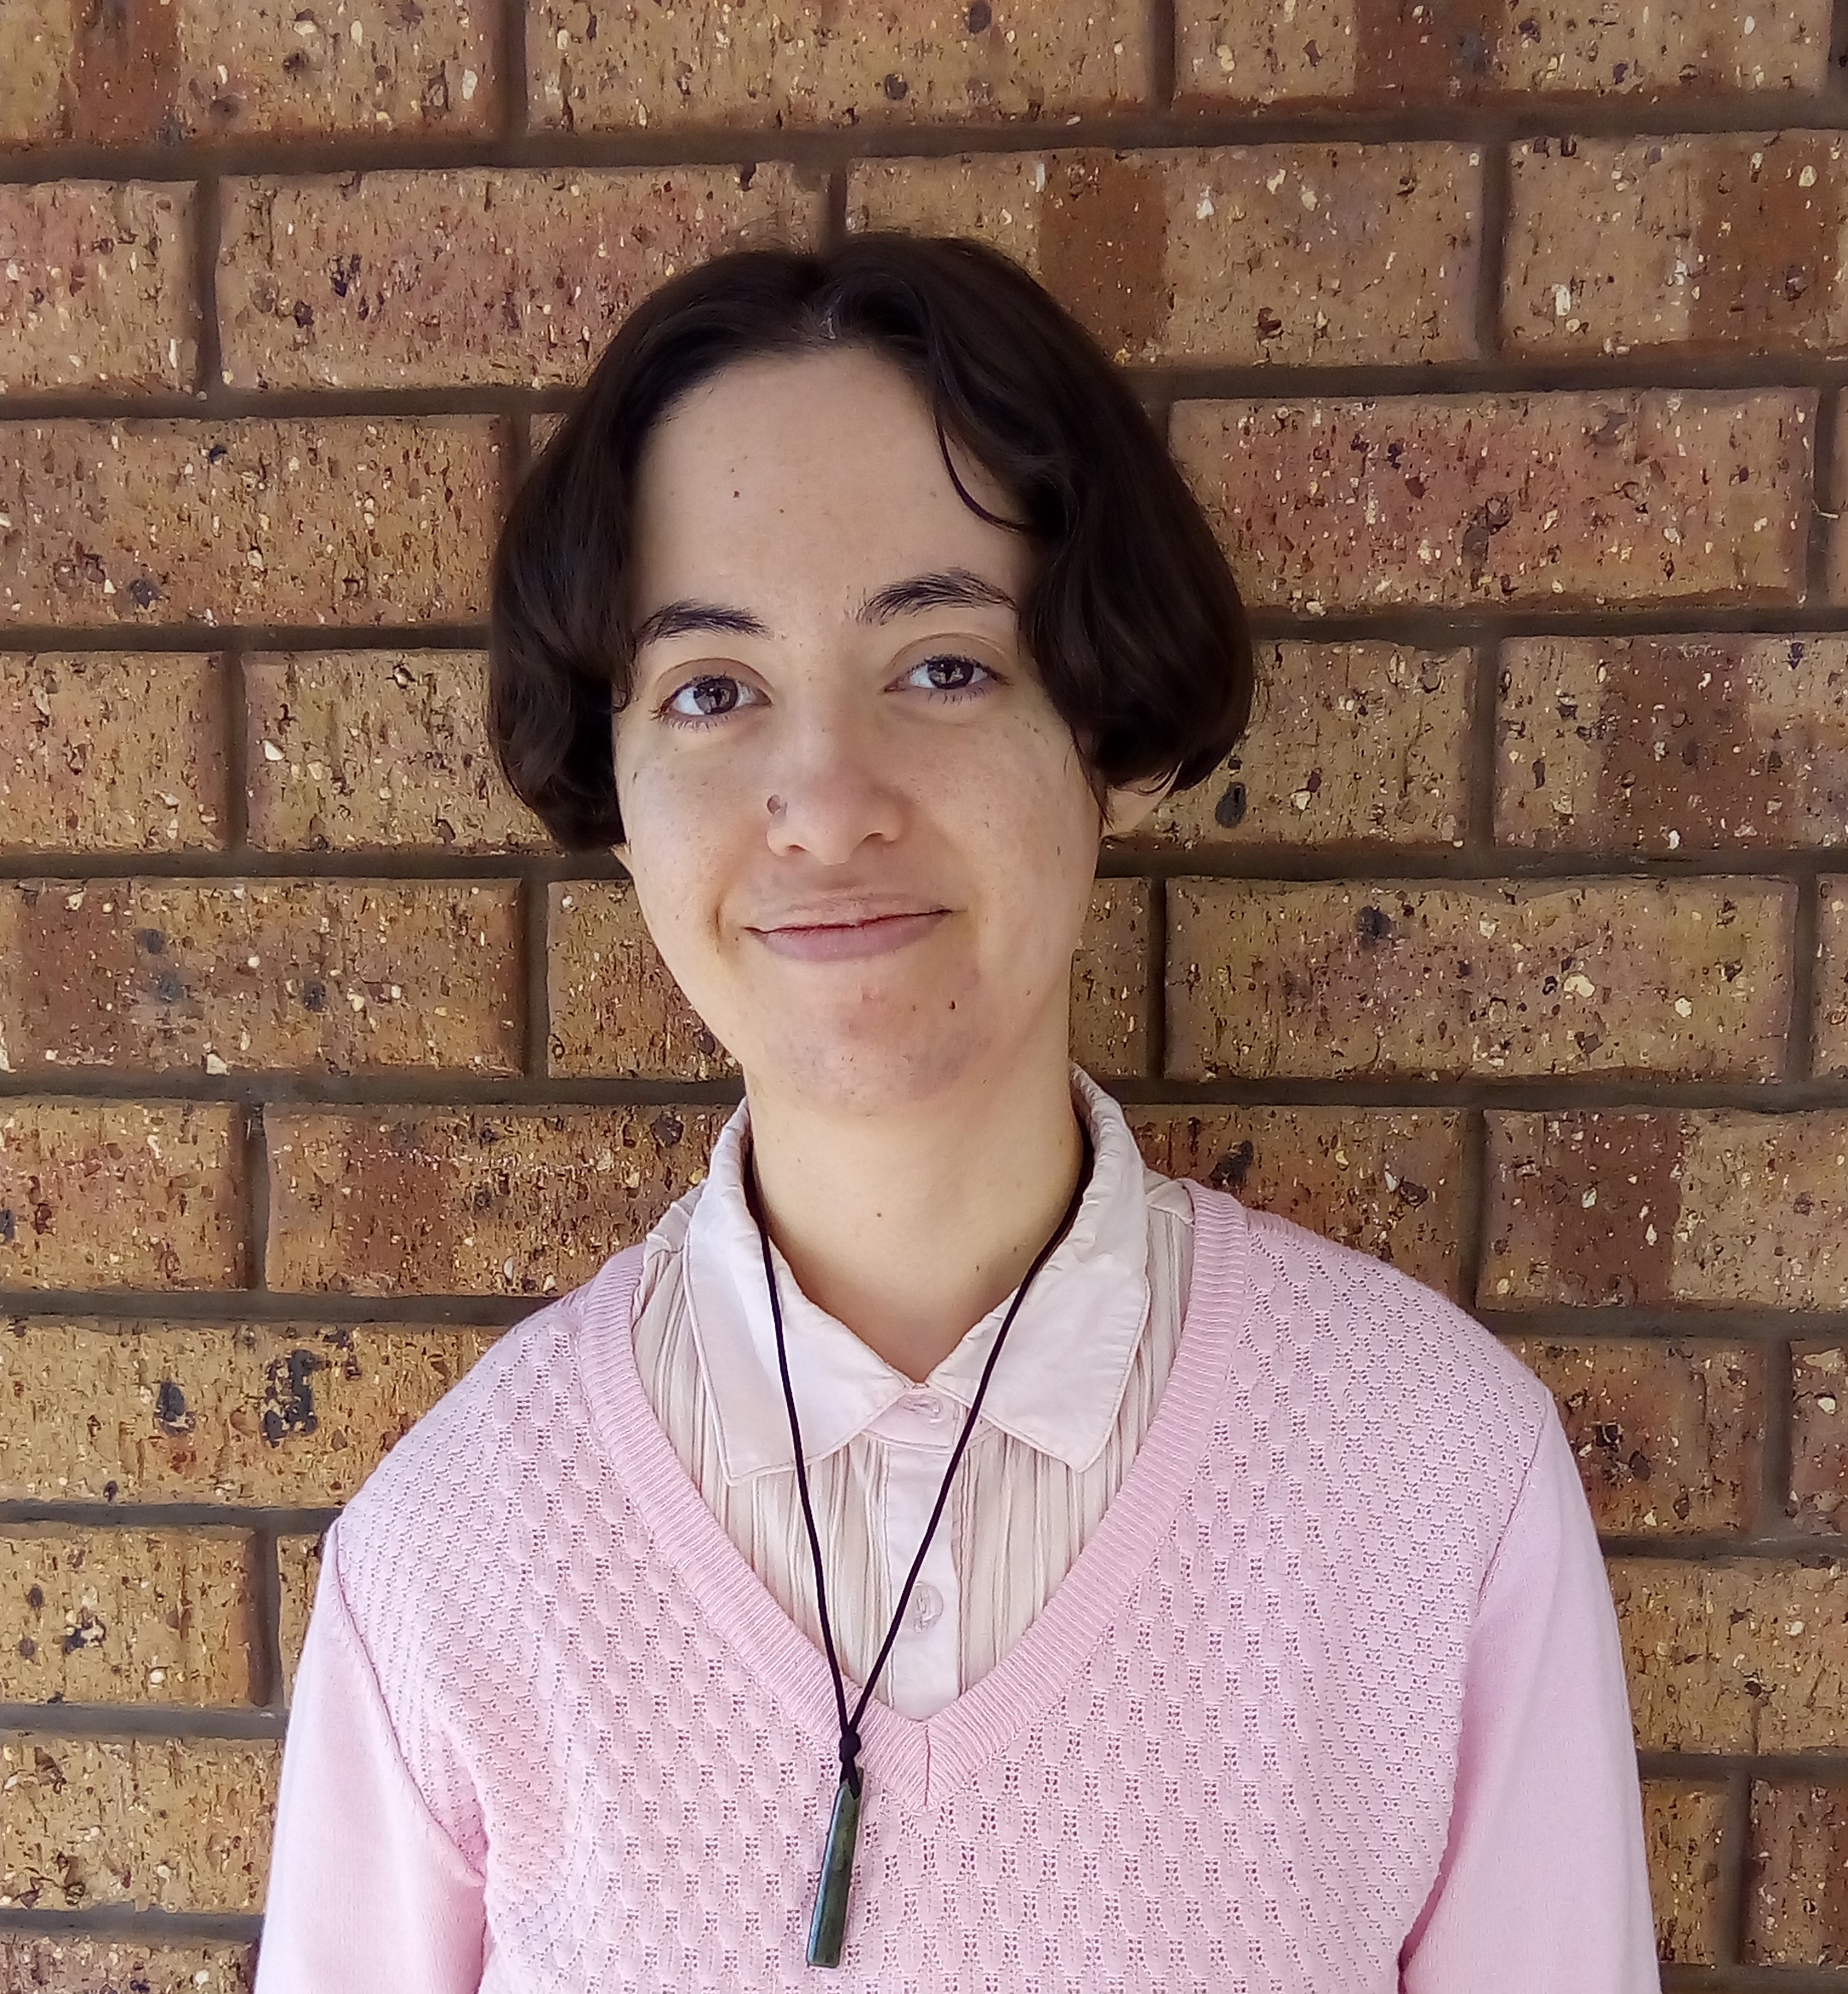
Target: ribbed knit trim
(918,1762)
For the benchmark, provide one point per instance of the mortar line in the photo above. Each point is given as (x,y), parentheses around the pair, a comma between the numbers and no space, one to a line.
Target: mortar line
(1735,1851)
(1164,53)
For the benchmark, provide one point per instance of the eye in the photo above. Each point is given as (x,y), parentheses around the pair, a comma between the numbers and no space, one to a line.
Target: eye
(964,686)
(714,693)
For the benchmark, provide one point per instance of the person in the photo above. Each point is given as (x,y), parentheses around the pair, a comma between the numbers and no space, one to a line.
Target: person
(946,1552)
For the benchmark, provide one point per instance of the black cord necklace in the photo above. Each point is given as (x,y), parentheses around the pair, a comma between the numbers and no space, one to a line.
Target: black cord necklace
(829,1920)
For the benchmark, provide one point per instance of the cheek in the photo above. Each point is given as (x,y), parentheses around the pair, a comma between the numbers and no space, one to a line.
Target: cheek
(675,854)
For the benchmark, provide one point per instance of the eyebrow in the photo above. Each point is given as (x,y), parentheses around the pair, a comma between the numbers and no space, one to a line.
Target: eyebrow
(941,588)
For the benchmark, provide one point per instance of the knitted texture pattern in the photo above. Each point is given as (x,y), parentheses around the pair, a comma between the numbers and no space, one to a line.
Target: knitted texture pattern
(1222,1756)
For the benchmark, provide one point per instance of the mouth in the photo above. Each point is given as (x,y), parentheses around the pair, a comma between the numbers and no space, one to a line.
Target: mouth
(836,941)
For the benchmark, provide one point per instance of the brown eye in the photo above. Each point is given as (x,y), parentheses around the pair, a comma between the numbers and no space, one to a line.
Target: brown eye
(961,672)
(713,694)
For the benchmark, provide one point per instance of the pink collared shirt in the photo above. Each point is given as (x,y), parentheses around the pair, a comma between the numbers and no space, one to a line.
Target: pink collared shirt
(1070,1397)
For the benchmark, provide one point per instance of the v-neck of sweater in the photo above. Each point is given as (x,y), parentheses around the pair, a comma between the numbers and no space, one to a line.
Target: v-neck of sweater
(918,1761)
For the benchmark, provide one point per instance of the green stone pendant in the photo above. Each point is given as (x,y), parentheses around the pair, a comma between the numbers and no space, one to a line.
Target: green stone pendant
(830,1919)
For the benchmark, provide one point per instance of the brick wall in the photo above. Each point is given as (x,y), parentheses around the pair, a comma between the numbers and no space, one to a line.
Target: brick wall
(1504,345)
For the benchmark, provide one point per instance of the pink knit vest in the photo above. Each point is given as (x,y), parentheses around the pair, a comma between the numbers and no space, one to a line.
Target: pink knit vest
(1222,1757)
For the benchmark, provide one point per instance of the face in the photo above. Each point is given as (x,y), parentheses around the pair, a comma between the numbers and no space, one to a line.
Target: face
(822,620)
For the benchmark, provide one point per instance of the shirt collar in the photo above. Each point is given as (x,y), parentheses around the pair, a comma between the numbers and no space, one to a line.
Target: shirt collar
(1057,1387)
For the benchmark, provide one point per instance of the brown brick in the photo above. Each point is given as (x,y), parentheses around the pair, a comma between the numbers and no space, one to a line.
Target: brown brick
(1737,1655)
(1110,1005)
(401,280)
(299,1559)
(520,1201)
(1723,240)
(1718,1207)
(37,44)
(1386,1181)
(1384,50)
(1832,974)
(163,1824)
(1819,1436)
(1797,1875)
(332,975)
(1558,500)
(809,63)
(98,1194)
(223,68)
(1268,978)
(1230,255)
(1663,744)
(113,751)
(381,750)
(616,1010)
(335,520)
(128,1616)
(1685,1833)
(1835,551)
(57,1964)
(1667,1433)
(107,295)
(1365,742)
(293,1414)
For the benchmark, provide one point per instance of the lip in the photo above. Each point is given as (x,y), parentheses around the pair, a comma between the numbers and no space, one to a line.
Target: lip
(838,941)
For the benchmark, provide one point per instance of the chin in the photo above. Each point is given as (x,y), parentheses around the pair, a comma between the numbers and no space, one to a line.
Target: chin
(865,1071)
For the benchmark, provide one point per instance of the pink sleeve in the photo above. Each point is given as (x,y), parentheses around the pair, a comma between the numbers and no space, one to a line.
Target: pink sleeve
(1543,1888)
(367,1894)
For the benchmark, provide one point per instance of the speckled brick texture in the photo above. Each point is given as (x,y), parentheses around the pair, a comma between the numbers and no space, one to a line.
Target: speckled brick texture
(1502,346)
(1317,52)
(103,295)
(1685,1830)
(1347,743)
(299,1560)
(164,72)
(1670,1434)
(401,279)
(1654,745)
(166,1824)
(60,1965)
(1578,976)
(131,1616)
(105,1193)
(147,521)
(1819,1438)
(255,1415)
(113,751)
(1712,1207)
(1561,501)
(1796,1906)
(376,751)
(427,1201)
(1726,242)
(615,1006)
(1296,254)
(634,65)
(1733,1655)
(1383,1182)
(221,976)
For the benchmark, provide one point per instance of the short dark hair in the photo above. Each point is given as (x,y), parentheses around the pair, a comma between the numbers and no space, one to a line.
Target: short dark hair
(1132,617)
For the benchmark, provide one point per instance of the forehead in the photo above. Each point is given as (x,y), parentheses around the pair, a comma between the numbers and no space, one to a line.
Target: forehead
(791,476)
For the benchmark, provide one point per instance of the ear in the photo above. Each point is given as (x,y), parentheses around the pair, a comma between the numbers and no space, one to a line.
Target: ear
(1129,809)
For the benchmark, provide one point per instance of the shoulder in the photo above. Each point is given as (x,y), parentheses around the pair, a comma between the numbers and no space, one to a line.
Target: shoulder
(1412,1396)
(451,1491)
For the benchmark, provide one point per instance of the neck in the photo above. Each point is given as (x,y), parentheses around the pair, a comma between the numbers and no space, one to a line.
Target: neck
(910,1224)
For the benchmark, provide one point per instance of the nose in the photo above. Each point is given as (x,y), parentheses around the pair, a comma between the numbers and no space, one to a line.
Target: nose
(835,791)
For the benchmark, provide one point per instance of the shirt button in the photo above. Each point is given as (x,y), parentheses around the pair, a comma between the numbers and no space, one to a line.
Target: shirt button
(928,1405)
(925,1607)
